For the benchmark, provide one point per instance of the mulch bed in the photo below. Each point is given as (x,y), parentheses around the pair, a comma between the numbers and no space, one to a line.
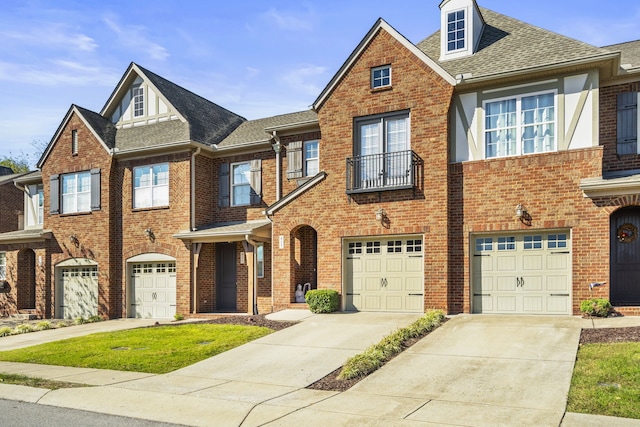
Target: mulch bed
(610,335)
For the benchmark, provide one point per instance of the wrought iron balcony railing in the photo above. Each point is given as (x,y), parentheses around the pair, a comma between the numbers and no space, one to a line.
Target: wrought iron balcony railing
(385,171)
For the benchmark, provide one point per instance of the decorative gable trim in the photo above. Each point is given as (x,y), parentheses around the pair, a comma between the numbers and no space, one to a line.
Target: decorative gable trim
(72,110)
(381,24)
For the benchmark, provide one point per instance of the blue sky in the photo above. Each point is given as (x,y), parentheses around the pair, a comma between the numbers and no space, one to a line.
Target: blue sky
(257,58)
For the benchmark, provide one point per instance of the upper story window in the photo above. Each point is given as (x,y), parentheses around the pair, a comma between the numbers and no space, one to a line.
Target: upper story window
(381,77)
(455,30)
(34,199)
(138,101)
(76,192)
(240,183)
(520,125)
(382,154)
(311,158)
(3,266)
(151,186)
(627,126)
(74,142)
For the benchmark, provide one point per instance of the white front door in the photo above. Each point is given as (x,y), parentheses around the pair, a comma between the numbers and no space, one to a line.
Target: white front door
(153,290)
(522,273)
(79,292)
(385,274)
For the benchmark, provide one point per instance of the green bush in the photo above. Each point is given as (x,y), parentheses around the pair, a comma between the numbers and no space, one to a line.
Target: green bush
(80,321)
(95,318)
(323,300)
(24,328)
(598,307)
(5,331)
(43,325)
(178,317)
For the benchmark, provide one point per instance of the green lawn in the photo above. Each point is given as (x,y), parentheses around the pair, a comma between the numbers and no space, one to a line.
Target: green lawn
(157,350)
(606,380)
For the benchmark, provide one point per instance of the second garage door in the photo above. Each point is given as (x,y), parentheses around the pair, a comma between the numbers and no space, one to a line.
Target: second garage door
(153,289)
(522,273)
(79,292)
(385,274)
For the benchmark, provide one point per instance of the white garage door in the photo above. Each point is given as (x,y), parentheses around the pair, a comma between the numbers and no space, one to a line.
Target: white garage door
(522,273)
(79,292)
(153,286)
(385,274)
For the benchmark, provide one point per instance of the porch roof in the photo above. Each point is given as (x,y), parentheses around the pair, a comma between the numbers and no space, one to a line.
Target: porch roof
(259,230)
(25,236)
(612,184)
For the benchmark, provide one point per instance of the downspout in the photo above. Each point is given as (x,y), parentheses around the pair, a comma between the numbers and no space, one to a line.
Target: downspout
(255,272)
(194,256)
(277,147)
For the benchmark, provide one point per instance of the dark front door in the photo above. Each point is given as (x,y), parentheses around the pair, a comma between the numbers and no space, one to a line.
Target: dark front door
(625,257)
(226,286)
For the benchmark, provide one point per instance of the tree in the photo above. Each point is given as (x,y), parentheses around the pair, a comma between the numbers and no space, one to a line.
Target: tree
(17,164)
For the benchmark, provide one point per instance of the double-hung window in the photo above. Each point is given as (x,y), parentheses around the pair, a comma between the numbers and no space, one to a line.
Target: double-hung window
(76,192)
(240,185)
(311,158)
(520,125)
(138,101)
(3,266)
(383,151)
(151,186)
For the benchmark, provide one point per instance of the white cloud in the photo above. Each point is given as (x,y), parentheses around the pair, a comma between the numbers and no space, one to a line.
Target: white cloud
(55,73)
(132,37)
(290,20)
(52,35)
(304,79)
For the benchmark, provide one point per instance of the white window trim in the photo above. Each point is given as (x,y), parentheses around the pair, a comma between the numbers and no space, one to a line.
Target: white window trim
(305,159)
(75,209)
(3,266)
(151,186)
(383,67)
(137,92)
(232,184)
(519,126)
(260,261)
(34,213)
(466,30)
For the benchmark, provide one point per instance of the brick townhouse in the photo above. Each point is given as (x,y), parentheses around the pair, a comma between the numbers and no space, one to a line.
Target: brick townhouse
(492,167)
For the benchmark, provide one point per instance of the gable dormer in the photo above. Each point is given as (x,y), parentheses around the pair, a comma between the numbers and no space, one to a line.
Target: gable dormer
(461,26)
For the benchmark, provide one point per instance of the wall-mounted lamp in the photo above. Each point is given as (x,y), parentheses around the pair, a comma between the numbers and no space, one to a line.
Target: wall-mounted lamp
(74,240)
(277,146)
(381,216)
(523,215)
(149,233)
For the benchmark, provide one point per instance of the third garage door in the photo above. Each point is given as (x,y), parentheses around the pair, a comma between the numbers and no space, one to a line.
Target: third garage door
(522,273)
(385,274)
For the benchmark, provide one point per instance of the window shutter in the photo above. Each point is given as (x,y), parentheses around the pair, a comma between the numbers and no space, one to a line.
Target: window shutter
(627,128)
(294,160)
(54,194)
(224,187)
(95,189)
(255,180)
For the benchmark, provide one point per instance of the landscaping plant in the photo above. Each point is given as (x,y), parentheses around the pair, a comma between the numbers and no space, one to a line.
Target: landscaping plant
(323,300)
(597,307)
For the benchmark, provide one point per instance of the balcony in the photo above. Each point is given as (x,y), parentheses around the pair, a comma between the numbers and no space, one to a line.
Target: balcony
(386,171)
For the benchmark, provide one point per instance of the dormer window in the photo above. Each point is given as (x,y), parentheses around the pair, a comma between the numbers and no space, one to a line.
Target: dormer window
(455,30)
(381,77)
(138,102)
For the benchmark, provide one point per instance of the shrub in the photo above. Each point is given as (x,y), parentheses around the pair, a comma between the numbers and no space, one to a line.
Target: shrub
(598,307)
(80,321)
(5,331)
(24,328)
(43,325)
(323,300)
(178,317)
(95,318)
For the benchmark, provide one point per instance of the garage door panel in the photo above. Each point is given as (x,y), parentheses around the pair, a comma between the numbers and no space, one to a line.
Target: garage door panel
(373,265)
(414,284)
(414,302)
(394,284)
(372,302)
(394,265)
(394,303)
(530,273)
(414,265)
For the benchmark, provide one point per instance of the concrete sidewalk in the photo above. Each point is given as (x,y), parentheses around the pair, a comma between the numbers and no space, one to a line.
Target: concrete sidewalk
(473,371)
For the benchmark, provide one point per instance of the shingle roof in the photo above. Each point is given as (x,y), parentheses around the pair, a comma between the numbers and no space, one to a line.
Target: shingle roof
(4,179)
(209,123)
(254,130)
(630,52)
(101,125)
(509,45)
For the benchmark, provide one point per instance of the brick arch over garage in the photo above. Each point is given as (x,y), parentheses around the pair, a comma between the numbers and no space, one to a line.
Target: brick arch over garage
(158,248)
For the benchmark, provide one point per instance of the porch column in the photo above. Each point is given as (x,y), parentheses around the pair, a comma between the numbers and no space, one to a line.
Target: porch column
(251,275)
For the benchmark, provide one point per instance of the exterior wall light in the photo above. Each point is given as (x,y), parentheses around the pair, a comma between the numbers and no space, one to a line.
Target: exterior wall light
(74,240)
(381,215)
(520,210)
(523,215)
(149,233)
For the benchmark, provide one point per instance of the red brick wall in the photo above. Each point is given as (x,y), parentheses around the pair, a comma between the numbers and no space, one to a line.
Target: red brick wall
(12,207)
(608,129)
(486,193)
(93,228)
(334,215)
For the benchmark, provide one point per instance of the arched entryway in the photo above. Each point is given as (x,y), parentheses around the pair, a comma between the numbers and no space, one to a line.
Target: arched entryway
(304,254)
(26,283)
(625,257)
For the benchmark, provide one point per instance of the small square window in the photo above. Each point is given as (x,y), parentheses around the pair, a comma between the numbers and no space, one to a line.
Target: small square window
(355,248)
(381,77)
(394,246)
(557,241)
(484,244)
(506,243)
(414,246)
(373,247)
(532,242)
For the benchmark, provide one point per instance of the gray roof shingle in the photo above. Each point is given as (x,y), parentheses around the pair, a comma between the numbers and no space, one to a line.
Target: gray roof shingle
(254,130)
(101,125)
(509,45)
(630,52)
